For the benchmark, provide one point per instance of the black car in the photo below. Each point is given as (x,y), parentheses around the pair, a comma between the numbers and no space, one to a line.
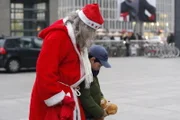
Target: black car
(19,52)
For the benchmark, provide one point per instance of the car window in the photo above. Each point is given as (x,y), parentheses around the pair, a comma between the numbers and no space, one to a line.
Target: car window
(38,42)
(12,43)
(26,43)
(1,42)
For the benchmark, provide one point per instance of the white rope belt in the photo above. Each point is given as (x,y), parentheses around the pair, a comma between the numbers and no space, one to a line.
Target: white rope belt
(75,89)
(76,93)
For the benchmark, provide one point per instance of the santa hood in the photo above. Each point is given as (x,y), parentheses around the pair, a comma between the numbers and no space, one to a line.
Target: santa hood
(58,25)
(85,65)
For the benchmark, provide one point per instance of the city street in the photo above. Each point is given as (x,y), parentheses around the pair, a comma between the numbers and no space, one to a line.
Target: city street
(143,89)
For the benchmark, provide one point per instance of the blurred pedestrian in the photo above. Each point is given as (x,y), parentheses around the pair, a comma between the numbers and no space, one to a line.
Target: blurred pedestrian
(128,36)
(170,38)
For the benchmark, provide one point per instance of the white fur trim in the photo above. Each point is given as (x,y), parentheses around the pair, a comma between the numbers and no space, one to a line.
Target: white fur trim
(87,21)
(78,82)
(76,112)
(57,98)
(85,66)
(73,40)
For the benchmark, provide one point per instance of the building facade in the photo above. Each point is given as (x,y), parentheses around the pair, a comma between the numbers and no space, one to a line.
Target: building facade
(164,12)
(28,17)
(177,23)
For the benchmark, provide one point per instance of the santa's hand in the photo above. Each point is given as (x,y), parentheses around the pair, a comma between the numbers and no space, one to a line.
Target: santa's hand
(68,101)
(68,105)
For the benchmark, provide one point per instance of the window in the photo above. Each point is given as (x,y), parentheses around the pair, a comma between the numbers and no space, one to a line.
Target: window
(12,43)
(37,42)
(31,42)
(26,43)
(1,42)
(28,18)
(16,19)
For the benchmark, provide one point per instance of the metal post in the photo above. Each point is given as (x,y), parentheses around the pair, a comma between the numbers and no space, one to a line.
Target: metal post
(138,28)
(177,24)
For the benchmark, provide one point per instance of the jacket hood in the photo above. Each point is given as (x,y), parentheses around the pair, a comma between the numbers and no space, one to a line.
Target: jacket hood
(58,25)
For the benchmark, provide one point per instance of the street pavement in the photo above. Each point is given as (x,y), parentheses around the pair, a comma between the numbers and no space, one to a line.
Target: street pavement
(143,89)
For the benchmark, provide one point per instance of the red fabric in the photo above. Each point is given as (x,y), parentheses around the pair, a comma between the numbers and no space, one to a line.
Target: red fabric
(93,13)
(124,15)
(52,113)
(152,18)
(68,105)
(57,62)
(63,112)
(55,113)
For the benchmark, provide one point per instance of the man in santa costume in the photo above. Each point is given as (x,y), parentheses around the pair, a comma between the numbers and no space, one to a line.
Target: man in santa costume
(63,64)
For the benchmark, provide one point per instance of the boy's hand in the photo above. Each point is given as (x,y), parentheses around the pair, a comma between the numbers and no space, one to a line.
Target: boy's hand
(111,109)
(103,103)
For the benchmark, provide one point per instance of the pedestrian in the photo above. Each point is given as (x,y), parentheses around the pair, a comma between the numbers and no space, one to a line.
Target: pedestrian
(63,64)
(170,38)
(92,98)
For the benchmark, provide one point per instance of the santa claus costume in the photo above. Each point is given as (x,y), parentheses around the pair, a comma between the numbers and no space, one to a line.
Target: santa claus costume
(61,67)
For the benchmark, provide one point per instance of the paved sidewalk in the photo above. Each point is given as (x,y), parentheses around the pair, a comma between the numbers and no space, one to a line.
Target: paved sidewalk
(143,89)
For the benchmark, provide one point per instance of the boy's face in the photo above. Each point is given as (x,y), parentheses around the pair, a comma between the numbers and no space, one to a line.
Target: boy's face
(94,64)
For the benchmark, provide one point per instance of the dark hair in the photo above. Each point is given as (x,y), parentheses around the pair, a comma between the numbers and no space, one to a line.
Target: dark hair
(96,60)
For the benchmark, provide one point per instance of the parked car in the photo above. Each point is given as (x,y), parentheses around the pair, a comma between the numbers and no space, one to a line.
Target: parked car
(19,52)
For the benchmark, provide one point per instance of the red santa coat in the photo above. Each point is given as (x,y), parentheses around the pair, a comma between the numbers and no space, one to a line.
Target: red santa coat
(59,69)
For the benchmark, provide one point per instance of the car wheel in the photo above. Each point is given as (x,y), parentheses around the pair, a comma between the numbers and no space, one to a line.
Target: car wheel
(13,65)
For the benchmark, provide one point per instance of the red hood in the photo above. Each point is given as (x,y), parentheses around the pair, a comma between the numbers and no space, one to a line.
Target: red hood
(58,25)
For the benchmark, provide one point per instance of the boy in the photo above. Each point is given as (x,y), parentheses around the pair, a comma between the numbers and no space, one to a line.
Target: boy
(91,98)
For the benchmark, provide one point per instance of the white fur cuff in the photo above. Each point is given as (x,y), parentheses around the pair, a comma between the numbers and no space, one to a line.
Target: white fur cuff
(57,98)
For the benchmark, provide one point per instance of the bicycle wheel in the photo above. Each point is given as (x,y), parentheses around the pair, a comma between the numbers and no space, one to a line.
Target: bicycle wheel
(177,52)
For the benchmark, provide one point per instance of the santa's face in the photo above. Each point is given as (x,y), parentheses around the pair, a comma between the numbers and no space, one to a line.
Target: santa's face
(88,32)
(85,36)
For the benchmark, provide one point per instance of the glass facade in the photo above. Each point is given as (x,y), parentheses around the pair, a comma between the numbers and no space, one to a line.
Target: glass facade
(28,18)
(165,15)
